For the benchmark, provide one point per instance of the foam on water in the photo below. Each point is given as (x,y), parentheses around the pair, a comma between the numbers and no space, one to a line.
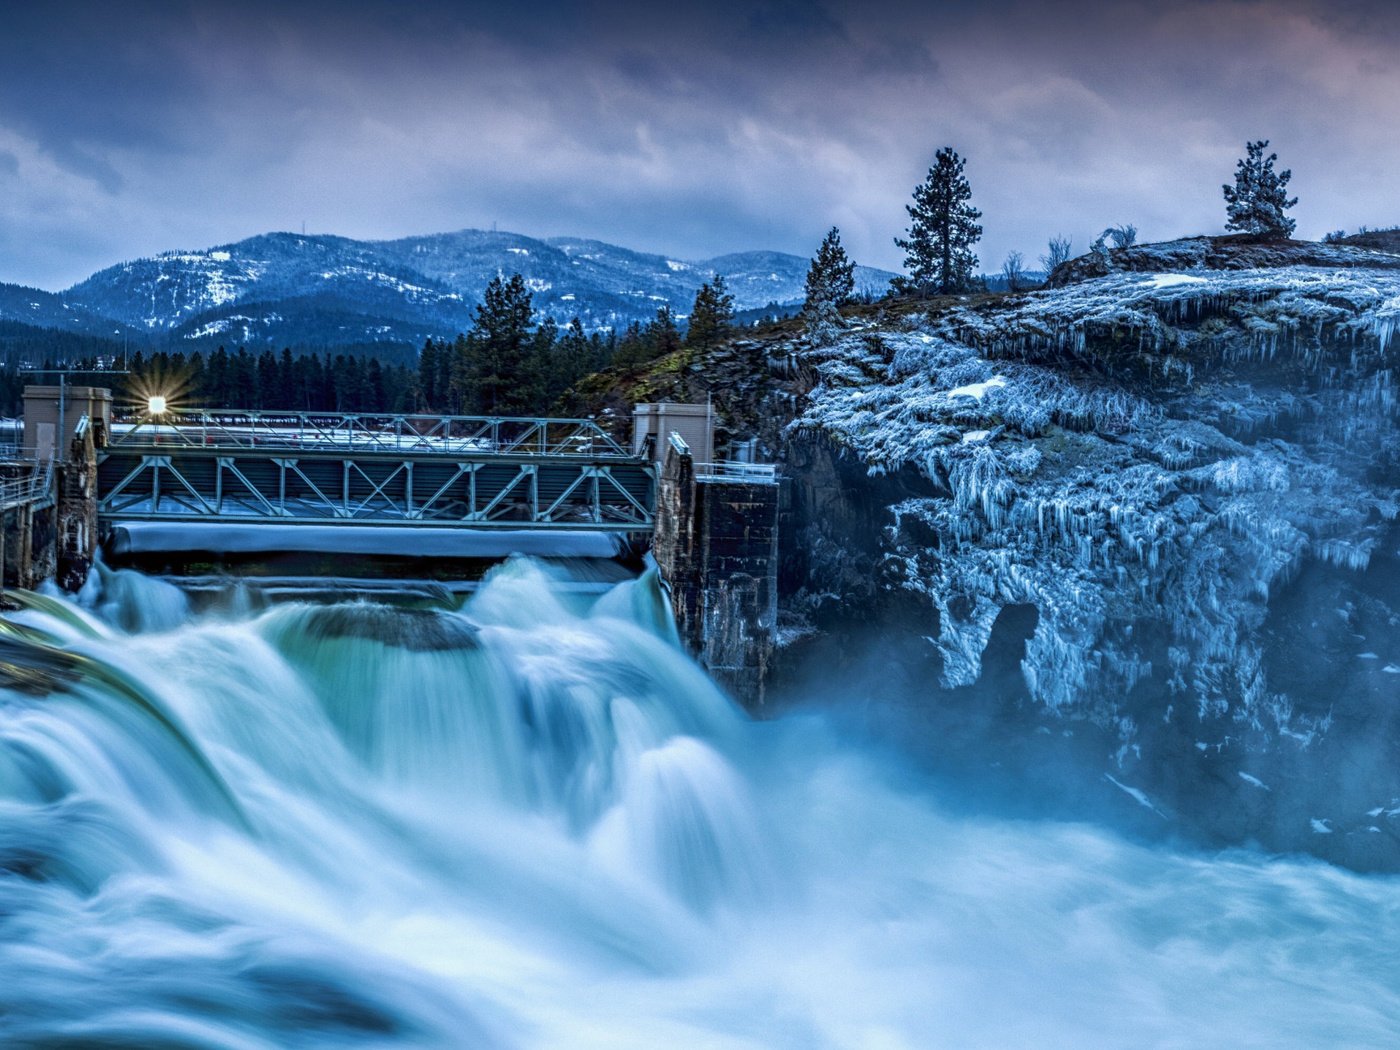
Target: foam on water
(535,823)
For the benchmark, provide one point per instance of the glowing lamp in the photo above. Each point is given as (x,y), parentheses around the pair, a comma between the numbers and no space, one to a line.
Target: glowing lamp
(156,405)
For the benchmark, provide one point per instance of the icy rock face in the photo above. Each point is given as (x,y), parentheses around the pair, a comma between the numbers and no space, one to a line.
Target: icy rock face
(1145,459)
(1236,252)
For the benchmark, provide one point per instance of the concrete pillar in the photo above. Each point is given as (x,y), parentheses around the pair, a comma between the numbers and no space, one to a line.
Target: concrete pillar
(716,543)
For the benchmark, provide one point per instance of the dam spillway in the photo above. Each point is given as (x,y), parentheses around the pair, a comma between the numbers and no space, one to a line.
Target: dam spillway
(281,560)
(288,499)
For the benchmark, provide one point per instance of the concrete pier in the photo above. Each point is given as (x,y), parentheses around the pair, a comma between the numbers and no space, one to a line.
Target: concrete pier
(48,487)
(716,543)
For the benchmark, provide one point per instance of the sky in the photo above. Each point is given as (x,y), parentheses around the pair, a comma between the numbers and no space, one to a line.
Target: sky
(689,130)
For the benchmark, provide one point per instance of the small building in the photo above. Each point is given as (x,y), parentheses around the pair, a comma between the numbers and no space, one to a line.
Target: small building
(52,414)
(654,423)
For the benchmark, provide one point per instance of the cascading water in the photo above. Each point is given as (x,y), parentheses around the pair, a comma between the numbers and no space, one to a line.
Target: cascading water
(535,823)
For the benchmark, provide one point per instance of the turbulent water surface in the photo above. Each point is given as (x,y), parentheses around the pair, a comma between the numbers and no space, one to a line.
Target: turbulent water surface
(534,823)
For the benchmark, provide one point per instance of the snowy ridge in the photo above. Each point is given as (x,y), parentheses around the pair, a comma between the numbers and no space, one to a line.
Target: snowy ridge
(313,288)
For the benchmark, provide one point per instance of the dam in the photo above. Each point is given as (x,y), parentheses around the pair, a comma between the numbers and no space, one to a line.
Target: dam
(293,504)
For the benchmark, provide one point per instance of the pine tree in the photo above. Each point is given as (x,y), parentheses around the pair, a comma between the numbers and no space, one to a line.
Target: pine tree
(1257,201)
(490,375)
(197,379)
(428,372)
(287,395)
(265,379)
(830,283)
(535,385)
(942,230)
(572,359)
(446,358)
(374,387)
(456,392)
(630,349)
(710,317)
(601,350)
(243,379)
(662,336)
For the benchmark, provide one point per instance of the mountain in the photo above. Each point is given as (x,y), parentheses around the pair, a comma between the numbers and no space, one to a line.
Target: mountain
(37,309)
(281,289)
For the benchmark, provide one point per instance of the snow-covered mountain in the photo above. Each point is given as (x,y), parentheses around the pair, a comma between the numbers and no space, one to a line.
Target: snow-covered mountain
(283,288)
(40,309)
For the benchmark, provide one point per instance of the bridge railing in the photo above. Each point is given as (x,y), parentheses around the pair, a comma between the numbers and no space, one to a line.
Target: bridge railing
(734,471)
(364,432)
(28,488)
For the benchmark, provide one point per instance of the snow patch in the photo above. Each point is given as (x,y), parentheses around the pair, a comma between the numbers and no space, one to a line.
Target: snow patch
(977,390)
(1173,280)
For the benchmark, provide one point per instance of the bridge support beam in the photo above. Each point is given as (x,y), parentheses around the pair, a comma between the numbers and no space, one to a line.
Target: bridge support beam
(716,544)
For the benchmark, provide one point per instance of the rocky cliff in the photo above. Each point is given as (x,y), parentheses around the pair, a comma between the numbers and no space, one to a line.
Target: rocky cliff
(1136,534)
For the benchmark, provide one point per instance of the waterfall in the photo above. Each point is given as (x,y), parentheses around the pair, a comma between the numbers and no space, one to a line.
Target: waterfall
(533,822)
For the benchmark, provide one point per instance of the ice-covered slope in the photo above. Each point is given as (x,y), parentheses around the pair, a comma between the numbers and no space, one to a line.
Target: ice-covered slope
(1193,479)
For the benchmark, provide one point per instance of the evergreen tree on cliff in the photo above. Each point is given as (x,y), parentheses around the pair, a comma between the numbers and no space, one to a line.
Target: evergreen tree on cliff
(830,283)
(661,335)
(942,230)
(428,372)
(490,375)
(711,316)
(571,359)
(1257,201)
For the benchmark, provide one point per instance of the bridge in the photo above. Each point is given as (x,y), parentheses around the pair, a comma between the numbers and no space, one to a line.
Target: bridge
(332,468)
(395,500)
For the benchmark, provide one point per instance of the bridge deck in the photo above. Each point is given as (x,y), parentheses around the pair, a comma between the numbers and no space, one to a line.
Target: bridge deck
(397,469)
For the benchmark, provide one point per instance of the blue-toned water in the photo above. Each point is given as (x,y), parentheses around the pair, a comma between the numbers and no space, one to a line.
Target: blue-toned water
(535,824)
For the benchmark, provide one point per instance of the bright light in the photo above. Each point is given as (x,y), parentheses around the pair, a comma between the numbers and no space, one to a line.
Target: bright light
(156,405)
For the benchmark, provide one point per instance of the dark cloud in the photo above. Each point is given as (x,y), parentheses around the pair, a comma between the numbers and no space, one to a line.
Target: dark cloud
(687,129)
(782,21)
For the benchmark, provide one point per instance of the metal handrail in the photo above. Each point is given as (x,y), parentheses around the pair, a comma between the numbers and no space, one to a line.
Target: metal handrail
(731,470)
(475,435)
(35,486)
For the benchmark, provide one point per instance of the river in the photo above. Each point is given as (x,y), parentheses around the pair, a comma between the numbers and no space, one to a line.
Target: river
(533,822)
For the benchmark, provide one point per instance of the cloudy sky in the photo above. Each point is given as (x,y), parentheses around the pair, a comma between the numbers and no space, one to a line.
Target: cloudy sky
(133,128)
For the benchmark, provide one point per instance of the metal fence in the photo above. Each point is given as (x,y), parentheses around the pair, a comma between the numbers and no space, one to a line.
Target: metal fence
(33,487)
(733,471)
(359,432)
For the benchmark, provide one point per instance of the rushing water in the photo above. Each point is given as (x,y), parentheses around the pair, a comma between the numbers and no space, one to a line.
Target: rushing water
(534,823)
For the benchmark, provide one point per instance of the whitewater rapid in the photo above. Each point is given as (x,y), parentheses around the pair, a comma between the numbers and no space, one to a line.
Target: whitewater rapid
(534,823)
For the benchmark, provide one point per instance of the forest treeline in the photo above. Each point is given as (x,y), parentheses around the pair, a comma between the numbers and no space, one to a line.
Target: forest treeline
(506,365)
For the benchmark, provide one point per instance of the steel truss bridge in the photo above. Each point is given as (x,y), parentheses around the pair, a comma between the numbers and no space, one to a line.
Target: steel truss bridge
(332,467)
